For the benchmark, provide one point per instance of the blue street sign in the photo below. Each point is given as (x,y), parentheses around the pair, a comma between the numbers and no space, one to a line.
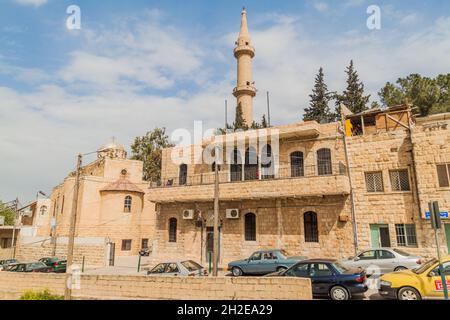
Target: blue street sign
(444,215)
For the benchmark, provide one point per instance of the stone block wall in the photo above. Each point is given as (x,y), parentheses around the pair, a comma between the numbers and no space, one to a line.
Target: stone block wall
(13,285)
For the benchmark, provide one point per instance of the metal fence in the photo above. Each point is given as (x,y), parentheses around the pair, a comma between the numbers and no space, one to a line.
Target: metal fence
(241,173)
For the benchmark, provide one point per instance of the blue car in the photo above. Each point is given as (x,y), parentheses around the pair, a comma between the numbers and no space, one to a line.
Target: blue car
(329,278)
(263,262)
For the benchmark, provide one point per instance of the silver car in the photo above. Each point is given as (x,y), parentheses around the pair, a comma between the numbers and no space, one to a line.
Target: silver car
(178,268)
(383,260)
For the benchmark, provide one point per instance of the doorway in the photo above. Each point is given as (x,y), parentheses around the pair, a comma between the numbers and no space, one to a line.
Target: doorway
(379,236)
(112,254)
(210,243)
(447,236)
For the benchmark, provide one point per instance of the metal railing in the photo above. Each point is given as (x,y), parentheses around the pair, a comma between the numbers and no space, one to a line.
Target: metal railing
(241,173)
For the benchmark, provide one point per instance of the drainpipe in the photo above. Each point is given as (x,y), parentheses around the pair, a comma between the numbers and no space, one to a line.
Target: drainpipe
(352,192)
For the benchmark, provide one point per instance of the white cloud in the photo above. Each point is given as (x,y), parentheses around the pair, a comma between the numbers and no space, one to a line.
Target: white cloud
(35,3)
(320,6)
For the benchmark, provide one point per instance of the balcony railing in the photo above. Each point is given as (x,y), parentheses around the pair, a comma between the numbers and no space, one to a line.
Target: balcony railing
(241,173)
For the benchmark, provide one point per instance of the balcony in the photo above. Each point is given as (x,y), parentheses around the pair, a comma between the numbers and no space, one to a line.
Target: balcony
(254,184)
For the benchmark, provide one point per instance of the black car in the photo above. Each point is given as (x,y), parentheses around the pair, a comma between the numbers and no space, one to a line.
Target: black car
(329,278)
(30,267)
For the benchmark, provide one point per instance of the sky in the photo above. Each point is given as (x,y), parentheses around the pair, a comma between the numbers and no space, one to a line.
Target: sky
(135,65)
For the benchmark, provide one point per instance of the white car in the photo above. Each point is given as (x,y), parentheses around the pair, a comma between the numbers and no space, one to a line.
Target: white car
(383,260)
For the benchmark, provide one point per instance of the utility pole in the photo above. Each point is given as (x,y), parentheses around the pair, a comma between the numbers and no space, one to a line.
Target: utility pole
(13,241)
(216,216)
(73,220)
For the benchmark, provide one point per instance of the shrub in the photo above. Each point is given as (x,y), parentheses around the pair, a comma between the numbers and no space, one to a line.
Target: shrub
(40,295)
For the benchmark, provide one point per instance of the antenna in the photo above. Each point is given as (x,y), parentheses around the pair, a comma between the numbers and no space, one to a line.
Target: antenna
(268,108)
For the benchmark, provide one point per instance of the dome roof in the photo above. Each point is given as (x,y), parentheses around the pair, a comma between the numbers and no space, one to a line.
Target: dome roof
(112,145)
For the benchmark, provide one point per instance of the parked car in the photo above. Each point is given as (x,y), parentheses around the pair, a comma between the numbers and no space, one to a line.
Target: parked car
(383,260)
(6,263)
(328,278)
(30,267)
(422,282)
(263,262)
(178,268)
(57,265)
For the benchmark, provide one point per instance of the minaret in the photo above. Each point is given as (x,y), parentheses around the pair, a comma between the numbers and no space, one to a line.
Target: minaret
(244,53)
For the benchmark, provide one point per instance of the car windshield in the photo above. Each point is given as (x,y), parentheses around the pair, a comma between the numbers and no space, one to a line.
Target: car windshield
(339,267)
(424,267)
(402,253)
(191,265)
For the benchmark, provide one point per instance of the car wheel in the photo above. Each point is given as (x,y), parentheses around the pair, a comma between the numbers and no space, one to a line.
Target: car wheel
(279,269)
(400,268)
(339,293)
(408,293)
(236,271)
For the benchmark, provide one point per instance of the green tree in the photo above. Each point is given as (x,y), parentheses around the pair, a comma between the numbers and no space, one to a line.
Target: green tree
(318,109)
(8,213)
(429,95)
(353,97)
(264,123)
(148,149)
(239,121)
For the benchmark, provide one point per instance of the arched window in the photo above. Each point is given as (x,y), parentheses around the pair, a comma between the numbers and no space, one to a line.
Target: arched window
(251,164)
(182,178)
(127,204)
(236,166)
(172,230)
(311,227)
(267,163)
(297,164)
(324,166)
(250,227)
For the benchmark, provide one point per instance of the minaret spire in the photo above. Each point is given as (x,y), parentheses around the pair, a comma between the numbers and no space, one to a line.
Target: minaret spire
(244,53)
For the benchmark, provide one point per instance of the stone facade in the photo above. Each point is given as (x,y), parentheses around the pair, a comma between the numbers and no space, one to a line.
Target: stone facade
(280,202)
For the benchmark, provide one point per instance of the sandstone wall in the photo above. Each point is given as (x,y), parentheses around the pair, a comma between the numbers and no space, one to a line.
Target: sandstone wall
(12,286)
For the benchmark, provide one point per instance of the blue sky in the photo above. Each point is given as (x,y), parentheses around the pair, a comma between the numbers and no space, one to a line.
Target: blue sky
(136,65)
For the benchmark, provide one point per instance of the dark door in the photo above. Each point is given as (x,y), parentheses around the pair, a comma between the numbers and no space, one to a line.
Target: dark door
(322,277)
(384,237)
(210,243)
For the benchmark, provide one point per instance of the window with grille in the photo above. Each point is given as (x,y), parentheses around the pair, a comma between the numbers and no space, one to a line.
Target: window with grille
(374,181)
(399,180)
(126,245)
(297,164)
(443,171)
(127,204)
(172,230)
(406,235)
(144,244)
(311,227)
(324,162)
(250,227)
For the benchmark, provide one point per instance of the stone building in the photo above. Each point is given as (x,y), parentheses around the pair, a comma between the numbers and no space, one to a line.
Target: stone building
(113,218)
(320,190)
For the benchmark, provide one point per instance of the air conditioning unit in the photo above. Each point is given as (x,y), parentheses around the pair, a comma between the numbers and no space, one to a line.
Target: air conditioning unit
(27,213)
(232,213)
(188,214)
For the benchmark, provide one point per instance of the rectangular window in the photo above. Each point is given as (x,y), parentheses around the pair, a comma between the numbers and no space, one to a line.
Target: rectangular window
(443,171)
(374,181)
(406,235)
(144,244)
(400,180)
(126,245)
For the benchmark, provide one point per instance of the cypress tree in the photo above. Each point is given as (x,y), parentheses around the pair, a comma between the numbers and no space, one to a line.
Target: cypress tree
(239,122)
(318,109)
(353,97)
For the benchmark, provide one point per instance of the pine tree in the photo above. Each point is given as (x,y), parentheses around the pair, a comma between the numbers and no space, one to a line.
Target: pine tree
(264,123)
(318,109)
(353,97)
(239,122)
